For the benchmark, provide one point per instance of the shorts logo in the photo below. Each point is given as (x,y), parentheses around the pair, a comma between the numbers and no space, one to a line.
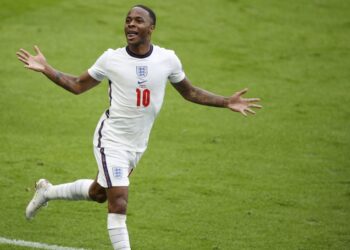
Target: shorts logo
(117,172)
(141,71)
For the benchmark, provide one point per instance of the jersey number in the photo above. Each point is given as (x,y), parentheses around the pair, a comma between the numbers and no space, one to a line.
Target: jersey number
(143,96)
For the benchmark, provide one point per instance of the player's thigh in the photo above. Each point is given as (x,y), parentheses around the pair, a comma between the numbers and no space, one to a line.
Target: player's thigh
(97,192)
(114,167)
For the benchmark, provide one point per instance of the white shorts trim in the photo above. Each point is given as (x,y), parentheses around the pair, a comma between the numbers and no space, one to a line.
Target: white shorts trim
(115,166)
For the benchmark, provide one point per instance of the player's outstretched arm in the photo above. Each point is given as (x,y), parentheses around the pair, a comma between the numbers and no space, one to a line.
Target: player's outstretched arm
(235,102)
(74,84)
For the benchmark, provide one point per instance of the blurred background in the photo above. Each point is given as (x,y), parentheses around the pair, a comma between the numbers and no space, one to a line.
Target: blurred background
(210,179)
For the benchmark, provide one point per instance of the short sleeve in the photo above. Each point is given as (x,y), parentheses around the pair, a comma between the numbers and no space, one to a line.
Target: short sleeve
(177,74)
(98,70)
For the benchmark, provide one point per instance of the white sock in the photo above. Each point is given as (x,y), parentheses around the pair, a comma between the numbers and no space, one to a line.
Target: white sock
(78,190)
(118,233)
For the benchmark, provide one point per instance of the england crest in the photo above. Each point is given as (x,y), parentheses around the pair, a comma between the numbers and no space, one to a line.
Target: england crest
(117,172)
(141,71)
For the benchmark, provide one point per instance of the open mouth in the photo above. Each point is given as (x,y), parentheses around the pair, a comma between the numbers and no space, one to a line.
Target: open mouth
(131,34)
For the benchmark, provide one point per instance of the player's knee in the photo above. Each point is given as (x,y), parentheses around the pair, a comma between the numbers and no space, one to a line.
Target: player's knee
(117,205)
(99,197)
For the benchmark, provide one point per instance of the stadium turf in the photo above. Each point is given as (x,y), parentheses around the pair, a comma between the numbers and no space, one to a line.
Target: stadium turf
(211,179)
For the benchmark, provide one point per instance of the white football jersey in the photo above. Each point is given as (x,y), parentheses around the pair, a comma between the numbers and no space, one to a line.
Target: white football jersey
(136,91)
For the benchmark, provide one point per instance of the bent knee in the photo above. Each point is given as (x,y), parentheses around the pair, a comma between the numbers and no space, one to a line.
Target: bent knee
(98,197)
(101,198)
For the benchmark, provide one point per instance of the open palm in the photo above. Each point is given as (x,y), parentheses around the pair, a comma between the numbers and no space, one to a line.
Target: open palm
(243,105)
(36,62)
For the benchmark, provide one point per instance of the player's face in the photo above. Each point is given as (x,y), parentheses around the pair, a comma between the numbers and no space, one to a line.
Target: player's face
(138,27)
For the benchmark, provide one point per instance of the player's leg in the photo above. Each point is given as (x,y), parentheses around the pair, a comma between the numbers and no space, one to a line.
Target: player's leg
(114,168)
(77,190)
(97,192)
(116,220)
(83,189)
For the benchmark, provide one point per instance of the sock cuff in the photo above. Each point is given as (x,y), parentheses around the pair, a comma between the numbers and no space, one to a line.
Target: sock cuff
(116,221)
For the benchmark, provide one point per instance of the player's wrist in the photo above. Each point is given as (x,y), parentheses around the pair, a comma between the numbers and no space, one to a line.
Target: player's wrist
(47,69)
(226,102)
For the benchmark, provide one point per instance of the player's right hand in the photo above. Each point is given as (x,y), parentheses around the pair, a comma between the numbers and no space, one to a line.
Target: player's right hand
(34,62)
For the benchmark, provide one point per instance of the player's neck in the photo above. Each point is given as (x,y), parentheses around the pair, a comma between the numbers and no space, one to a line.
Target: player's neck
(141,49)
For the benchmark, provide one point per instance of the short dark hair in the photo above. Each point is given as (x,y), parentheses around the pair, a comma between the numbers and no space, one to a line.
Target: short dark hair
(150,12)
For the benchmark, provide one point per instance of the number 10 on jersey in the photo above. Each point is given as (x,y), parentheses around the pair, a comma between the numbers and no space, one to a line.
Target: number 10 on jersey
(143,97)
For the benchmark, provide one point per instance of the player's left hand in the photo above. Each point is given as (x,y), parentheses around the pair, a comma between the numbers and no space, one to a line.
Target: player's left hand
(243,105)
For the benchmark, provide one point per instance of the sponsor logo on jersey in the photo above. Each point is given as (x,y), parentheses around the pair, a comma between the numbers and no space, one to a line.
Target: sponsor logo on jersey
(141,71)
(141,81)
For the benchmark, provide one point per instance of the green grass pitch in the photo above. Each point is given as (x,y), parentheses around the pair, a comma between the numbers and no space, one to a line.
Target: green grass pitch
(211,179)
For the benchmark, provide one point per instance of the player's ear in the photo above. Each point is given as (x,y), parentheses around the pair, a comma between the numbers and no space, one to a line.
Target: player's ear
(152,28)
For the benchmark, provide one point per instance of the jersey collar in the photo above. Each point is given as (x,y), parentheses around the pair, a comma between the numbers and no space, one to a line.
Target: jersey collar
(139,56)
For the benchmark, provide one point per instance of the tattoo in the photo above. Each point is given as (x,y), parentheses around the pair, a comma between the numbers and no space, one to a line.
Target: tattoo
(58,75)
(204,97)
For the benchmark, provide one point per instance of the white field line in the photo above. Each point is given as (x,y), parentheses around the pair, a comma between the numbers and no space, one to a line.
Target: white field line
(35,244)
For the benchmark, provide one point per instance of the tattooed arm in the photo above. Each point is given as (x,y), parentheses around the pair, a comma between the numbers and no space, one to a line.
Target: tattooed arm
(74,84)
(235,102)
